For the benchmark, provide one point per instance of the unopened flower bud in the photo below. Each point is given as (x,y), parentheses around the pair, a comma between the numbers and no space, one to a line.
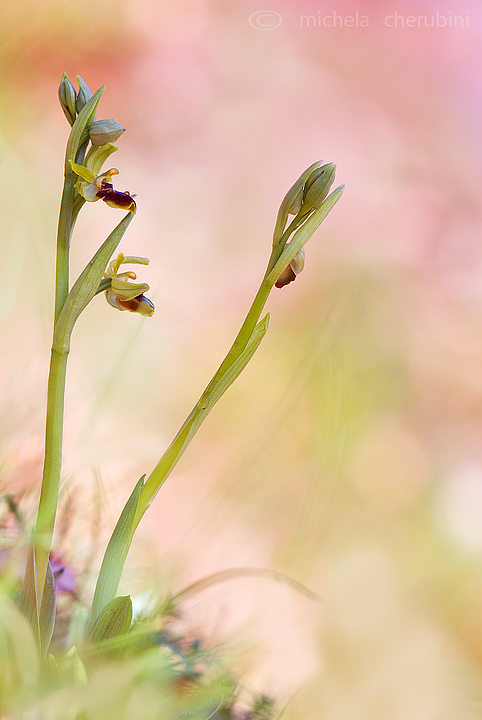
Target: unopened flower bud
(105,131)
(67,98)
(292,202)
(83,95)
(318,186)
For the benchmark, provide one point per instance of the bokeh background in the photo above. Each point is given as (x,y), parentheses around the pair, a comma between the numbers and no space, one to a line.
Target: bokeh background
(349,454)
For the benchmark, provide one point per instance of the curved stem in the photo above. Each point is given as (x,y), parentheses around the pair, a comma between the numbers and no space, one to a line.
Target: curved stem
(234,573)
(187,431)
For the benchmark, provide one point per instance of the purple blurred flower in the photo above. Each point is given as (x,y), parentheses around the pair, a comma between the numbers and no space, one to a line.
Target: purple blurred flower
(63,575)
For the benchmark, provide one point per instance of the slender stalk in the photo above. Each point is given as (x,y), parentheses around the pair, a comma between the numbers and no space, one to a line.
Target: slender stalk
(81,293)
(281,255)
(55,395)
(233,574)
(38,593)
(178,446)
(242,350)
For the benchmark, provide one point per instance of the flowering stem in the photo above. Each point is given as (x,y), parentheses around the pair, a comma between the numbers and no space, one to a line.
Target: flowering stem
(52,463)
(82,292)
(178,446)
(55,393)
(281,255)
(242,350)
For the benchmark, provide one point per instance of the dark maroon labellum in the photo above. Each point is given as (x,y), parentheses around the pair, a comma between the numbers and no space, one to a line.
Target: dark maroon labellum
(117,198)
(286,277)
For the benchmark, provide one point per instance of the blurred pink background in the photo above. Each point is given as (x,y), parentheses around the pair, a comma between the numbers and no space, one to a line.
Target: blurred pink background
(349,454)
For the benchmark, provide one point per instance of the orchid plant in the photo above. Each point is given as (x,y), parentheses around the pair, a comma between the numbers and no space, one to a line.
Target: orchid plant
(89,146)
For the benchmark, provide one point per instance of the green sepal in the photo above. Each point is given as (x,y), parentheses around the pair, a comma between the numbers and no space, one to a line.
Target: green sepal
(83,172)
(115,556)
(115,619)
(97,156)
(125,290)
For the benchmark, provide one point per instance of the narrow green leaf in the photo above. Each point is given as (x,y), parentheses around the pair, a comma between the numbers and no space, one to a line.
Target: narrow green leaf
(214,391)
(86,285)
(115,556)
(47,611)
(29,601)
(199,710)
(42,620)
(115,619)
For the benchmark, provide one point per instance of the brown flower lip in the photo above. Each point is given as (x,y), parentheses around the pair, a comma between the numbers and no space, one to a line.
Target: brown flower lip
(133,305)
(287,276)
(116,198)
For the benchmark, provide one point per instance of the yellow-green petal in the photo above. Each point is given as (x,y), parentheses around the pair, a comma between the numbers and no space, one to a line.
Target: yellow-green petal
(83,172)
(125,290)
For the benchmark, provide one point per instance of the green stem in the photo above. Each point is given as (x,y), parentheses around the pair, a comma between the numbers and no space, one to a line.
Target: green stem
(242,350)
(55,393)
(52,463)
(181,441)
(42,537)
(302,227)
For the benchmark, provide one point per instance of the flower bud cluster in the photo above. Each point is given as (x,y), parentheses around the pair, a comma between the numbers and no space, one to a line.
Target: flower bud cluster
(304,196)
(72,102)
(93,186)
(302,200)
